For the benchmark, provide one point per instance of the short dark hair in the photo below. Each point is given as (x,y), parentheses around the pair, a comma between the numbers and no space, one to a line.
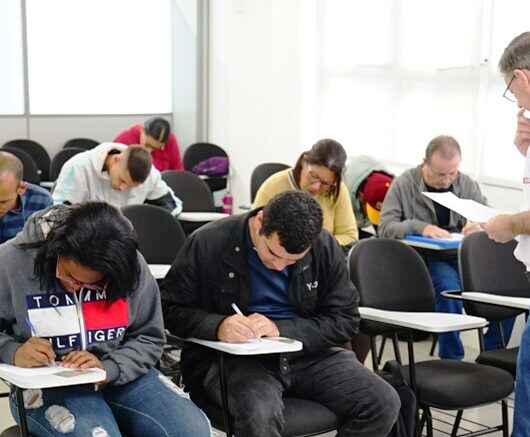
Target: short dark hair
(158,128)
(327,153)
(296,217)
(95,235)
(11,164)
(516,54)
(446,145)
(139,162)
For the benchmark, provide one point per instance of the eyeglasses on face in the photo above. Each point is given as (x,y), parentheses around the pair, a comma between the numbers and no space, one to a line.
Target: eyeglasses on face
(507,94)
(75,284)
(314,178)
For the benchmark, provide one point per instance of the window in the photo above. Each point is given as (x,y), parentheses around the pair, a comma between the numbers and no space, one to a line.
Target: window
(11,73)
(393,74)
(99,57)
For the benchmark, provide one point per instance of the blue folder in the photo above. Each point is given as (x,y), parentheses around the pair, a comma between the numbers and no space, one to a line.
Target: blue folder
(435,243)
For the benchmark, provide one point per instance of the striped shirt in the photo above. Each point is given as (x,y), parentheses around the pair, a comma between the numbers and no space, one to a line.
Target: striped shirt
(33,199)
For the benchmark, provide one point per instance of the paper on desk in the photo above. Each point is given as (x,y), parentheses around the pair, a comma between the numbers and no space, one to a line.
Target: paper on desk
(471,210)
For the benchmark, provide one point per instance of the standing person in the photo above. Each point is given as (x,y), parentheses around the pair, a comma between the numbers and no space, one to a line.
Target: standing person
(116,174)
(156,135)
(289,278)
(74,289)
(18,199)
(319,172)
(407,211)
(514,65)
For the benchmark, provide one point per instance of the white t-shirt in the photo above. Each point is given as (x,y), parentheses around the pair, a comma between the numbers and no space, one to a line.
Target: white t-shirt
(82,179)
(522,251)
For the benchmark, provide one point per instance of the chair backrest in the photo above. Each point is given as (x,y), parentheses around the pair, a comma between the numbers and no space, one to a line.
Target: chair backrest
(31,172)
(261,173)
(390,276)
(490,267)
(191,189)
(59,160)
(160,235)
(198,152)
(82,143)
(37,152)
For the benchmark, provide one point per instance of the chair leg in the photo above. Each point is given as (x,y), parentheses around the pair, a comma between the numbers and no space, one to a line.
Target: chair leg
(396,348)
(420,423)
(373,353)
(381,350)
(456,425)
(429,422)
(433,345)
(504,409)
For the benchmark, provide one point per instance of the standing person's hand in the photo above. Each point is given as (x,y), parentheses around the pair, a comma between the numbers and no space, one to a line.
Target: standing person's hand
(471,227)
(522,133)
(500,228)
(434,231)
(35,352)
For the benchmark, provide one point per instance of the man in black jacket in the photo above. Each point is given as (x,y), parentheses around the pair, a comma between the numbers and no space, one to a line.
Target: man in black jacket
(289,278)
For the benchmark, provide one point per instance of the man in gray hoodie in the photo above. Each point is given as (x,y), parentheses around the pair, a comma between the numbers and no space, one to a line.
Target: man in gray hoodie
(74,291)
(407,211)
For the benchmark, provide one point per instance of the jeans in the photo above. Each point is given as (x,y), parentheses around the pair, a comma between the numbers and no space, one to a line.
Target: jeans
(367,405)
(149,406)
(445,276)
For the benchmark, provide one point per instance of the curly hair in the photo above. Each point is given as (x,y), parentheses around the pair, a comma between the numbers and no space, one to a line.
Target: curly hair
(296,217)
(95,235)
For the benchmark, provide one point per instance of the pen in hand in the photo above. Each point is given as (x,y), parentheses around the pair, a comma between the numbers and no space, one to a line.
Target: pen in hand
(238,311)
(33,332)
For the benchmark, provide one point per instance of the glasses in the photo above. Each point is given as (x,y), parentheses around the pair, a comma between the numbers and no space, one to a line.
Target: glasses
(77,285)
(314,178)
(507,94)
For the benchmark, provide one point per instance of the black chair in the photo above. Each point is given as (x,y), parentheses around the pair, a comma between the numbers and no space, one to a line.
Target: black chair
(489,267)
(261,173)
(37,152)
(59,160)
(392,276)
(191,189)
(81,143)
(198,152)
(303,418)
(160,235)
(31,172)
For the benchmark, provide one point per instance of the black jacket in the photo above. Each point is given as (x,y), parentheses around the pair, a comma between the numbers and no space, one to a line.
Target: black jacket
(211,272)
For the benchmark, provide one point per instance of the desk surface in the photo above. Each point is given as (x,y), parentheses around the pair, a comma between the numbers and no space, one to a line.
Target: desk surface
(424,321)
(266,345)
(201,216)
(522,303)
(159,271)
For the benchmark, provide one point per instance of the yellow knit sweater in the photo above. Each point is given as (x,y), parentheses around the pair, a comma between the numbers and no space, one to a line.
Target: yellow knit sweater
(338,215)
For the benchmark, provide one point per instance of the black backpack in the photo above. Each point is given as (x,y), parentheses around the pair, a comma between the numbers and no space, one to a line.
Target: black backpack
(405,425)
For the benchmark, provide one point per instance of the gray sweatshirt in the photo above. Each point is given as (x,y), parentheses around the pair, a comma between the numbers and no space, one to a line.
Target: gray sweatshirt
(127,334)
(407,211)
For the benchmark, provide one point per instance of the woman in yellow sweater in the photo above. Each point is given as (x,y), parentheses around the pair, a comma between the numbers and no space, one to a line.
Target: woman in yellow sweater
(319,172)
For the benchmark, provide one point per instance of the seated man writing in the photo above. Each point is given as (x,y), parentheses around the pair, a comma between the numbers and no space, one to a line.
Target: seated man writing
(289,278)
(115,174)
(407,211)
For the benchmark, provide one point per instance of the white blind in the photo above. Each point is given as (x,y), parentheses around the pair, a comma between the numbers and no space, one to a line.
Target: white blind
(99,56)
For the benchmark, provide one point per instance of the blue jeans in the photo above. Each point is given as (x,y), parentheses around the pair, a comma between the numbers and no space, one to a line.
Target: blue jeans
(521,418)
(445,277)
(149,406)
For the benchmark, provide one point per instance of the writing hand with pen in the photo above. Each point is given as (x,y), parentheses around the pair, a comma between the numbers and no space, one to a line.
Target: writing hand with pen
(240,328)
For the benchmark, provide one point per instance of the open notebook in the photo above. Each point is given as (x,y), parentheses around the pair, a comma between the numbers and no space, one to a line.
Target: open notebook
(46,377)
(453,242)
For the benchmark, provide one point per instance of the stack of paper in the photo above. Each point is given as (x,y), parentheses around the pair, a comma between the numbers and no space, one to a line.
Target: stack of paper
(471,210)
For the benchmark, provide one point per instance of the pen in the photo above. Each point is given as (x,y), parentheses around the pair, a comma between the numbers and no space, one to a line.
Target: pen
(238,311)
(31,327)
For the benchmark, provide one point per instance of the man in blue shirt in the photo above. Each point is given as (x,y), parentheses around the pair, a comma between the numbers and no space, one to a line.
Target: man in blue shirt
(18,199)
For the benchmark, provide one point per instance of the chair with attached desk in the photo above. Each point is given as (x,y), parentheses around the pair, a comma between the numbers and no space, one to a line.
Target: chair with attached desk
(261,173)
(396,294)
(490,267)
(303,418)
(198,152)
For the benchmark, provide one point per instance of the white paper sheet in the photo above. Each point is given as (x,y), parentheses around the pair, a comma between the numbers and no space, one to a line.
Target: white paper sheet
(471,210)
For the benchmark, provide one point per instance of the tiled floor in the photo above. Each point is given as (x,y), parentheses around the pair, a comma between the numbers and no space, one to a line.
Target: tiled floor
(474,419)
